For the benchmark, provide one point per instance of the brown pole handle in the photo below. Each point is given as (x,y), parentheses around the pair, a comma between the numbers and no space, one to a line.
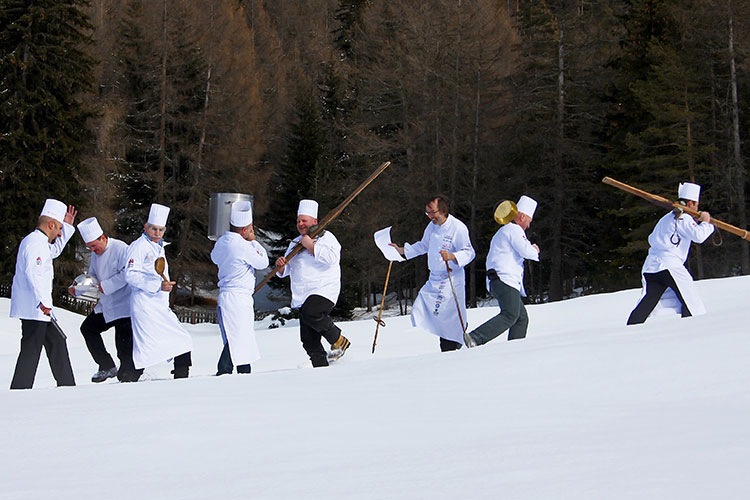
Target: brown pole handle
(382,303)
(668,204)
(327,220)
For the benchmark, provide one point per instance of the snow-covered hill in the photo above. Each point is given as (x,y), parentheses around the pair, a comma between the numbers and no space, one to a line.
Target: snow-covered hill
(584,408)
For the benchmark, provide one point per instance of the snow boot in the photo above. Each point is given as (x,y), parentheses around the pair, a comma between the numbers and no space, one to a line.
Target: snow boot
(338,348)
(103,375)
(181,372)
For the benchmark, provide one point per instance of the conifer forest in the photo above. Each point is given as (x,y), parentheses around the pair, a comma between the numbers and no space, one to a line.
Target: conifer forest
(110,105)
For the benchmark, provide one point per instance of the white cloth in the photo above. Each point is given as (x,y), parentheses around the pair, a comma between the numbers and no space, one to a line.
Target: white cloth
(526,205)
(665,254)
(318,274)
(237,260)
(32,282)
(309,208)
(158,214)
(508,249)
(689,191)
(109,269)
(90,229)
(241,214)
(157,333)
(435,309)
(54,209)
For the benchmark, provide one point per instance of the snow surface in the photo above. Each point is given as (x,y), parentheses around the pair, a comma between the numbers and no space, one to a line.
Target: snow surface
(584,408)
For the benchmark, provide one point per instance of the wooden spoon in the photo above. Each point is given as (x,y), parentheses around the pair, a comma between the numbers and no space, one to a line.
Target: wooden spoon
(160,265)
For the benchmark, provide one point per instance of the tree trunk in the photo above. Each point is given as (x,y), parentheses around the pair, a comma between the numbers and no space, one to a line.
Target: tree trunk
(555,285)
(736,163)
(163,121)
(474,187)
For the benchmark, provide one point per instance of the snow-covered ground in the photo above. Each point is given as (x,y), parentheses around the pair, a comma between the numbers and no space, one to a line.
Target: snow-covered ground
(584,408)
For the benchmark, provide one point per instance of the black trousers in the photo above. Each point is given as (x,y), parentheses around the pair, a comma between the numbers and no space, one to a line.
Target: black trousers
(34,335)
(449,345)
(93,327)
(225,364)
(656,285)
(314,323)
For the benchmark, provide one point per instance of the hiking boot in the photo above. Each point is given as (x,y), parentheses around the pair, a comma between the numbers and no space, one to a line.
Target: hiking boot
(129,375)
(181,372)
(469,340)
(338,348)
(103,375)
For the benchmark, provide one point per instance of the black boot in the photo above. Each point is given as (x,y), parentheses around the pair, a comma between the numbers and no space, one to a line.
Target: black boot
(181,371)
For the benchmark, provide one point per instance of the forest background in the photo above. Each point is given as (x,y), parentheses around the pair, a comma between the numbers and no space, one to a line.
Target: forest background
(111,105)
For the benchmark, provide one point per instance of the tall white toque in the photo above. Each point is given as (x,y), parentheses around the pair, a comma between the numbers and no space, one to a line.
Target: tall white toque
(309,208)
(54,209)
(527,206)
(90,229)
(158,215)
(242,214)
(689,191)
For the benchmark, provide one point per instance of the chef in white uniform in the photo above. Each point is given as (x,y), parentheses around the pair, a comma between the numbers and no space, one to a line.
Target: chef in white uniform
(667,284)
(157,333)
(238,255)
(31,296)
(509,249)
(107,267)
(446,239)
(315,275)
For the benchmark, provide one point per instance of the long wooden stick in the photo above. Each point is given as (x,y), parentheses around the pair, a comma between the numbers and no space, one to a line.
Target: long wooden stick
(382,303)
(455,297)
(668,204)
(326,220)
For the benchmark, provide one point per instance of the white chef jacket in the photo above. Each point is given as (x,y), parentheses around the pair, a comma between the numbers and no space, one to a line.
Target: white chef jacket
(669,246)
(32,282)
(237,260)
(508,249)
(109,269)
(318,274)
(435,308)
(157,333)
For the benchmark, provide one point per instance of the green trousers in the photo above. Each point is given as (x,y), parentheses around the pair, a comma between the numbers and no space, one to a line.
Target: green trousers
(512,315)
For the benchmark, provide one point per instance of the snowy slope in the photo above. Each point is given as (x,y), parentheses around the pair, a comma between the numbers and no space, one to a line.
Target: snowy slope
(584,408)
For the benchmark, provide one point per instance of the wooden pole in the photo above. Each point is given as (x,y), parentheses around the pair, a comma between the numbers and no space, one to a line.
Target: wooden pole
(382,303)
(455,297)
(668,204)
(326,220)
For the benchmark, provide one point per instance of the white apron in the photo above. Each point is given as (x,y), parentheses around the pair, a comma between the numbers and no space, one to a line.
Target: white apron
(237,321)
(157,333)
(435,308)
(669,303)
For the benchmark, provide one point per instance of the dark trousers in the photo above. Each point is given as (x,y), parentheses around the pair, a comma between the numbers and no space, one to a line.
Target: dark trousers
(225,364)
(512,315)
(34,335)
(315,323)
(93,327)
(656,285)
(449,345)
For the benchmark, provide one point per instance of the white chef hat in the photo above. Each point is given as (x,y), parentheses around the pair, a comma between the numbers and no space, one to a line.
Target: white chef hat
(308,207)
(54,209)
(90,229)
(527,206)
(158,215)
(242,214)
(689,191)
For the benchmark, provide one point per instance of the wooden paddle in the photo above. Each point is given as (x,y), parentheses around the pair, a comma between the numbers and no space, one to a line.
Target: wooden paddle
(160,265)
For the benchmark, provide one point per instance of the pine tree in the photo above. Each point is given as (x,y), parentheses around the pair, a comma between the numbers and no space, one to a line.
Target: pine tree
(44,70)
